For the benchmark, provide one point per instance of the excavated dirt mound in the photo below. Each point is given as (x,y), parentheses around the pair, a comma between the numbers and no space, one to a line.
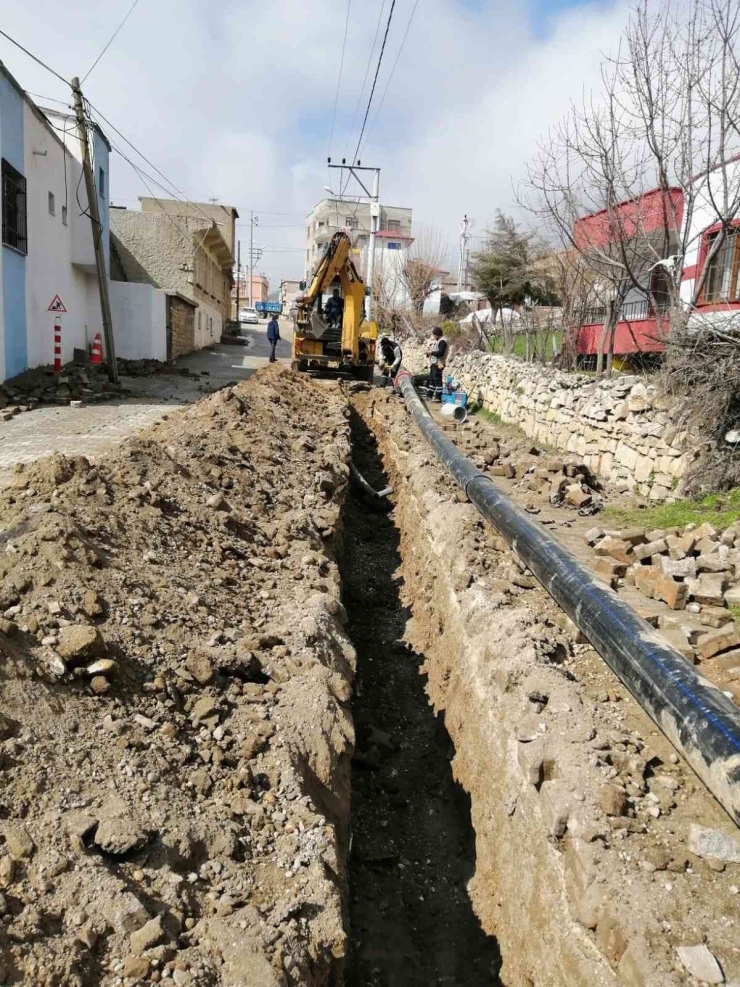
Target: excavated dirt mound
(174,736)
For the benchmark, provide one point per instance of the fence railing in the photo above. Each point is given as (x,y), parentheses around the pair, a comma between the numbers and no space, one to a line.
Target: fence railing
(630,312)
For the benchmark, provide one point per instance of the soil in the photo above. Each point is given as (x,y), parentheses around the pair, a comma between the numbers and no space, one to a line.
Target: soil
(174,680)
(413,847)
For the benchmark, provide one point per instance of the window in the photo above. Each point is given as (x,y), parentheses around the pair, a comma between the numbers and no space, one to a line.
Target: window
(101,183)
(52,205)
(14,208)
(351,222)
(394,225)
(64,215)
(721,283)
(392,245)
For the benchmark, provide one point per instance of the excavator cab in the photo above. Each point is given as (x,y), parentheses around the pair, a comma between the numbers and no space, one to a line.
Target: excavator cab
(331,335)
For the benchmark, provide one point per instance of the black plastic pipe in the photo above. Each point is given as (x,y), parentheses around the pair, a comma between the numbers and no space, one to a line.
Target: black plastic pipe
(700,721)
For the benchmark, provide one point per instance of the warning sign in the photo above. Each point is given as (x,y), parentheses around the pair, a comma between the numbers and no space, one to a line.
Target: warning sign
(57,305)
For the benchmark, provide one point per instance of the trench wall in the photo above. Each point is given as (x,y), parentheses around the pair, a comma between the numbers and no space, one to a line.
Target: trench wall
(567,888)
(624,430)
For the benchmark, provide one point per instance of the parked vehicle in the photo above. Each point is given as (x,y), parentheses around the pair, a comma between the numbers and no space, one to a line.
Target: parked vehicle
(249,316)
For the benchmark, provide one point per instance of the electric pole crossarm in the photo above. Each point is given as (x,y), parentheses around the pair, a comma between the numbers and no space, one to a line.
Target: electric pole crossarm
(97,232)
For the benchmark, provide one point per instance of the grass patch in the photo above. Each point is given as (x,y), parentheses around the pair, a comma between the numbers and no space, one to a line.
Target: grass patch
(552,345)
(719,509)
(492,417)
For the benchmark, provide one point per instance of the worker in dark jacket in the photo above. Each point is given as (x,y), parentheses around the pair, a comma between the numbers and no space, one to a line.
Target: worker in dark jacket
(391,357)
(334,309)
(437,352)
(273,336)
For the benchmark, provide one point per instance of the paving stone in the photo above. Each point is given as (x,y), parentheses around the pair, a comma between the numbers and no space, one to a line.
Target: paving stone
(700,963)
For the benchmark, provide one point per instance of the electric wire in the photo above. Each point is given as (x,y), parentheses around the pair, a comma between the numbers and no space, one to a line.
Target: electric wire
(37,60)
(111,40)
(339,79)
(375,80)
(364,81)
(180,194)
(390,77)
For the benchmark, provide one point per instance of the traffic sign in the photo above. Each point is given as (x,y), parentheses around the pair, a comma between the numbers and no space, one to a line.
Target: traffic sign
(57,305)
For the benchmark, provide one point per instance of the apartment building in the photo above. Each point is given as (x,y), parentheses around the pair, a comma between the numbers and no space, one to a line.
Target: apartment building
(330,215)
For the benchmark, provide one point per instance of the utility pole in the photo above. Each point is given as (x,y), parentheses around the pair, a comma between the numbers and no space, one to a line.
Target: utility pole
(238,274)
(373,198)
(253,221)
(97,233)
(462,267)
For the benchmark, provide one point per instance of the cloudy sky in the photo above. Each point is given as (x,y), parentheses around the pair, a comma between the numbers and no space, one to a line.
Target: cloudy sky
(235,100)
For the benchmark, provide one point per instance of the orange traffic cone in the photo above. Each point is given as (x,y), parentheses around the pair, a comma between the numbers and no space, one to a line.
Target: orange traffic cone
(96,357)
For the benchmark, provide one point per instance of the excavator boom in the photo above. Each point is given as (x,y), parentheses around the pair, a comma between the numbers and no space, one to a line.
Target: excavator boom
(347,347)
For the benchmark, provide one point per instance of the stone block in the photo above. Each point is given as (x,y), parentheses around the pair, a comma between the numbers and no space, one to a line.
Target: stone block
(593,535)
(709,588)
(678,568)
(717,641)
(638,399)
(711,563)
(635,536)
(615,548)
(643,469)
(713,844)
(732,596)
(714,616)
(648,550)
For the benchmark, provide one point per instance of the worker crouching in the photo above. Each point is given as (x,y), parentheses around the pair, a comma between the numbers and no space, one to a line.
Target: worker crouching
(391,358)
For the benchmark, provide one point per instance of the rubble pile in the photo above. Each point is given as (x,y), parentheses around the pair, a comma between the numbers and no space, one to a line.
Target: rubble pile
(42,386)
(174,735)
(563,480)
(693,569)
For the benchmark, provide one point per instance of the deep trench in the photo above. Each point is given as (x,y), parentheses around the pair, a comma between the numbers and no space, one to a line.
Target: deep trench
(413,844)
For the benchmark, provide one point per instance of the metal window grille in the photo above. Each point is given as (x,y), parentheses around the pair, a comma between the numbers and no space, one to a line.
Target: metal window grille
(394,224)
(721,282)
(15,216)
(351,222)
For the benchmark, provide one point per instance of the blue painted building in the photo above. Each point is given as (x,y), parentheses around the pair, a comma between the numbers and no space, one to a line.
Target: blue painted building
(47,246)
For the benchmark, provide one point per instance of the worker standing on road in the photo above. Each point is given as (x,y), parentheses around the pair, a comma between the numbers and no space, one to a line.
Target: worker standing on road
(437,352)
(273,336)
(391,357)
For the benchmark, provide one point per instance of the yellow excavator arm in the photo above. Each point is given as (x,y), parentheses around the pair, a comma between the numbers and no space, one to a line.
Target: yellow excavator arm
(314,345)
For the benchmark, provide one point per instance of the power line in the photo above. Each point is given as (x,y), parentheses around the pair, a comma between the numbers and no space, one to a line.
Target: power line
(339,79)
(112,39)
(180,194)
(387,85)
(37,60)
(375,80)
(364,81)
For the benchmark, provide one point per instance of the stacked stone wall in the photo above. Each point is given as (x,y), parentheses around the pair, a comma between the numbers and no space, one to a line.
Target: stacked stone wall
(623,428)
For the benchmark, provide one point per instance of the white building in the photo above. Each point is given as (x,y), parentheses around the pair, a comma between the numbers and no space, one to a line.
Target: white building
(47,246)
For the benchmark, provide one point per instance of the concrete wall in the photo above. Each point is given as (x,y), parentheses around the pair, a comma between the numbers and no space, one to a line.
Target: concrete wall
(50,263)
(139,321)
(621,428)
(13,338)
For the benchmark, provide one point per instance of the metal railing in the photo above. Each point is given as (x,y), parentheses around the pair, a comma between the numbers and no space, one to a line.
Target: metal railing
(630,312)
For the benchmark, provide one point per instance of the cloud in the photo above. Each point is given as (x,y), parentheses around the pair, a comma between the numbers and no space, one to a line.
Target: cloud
(235,100)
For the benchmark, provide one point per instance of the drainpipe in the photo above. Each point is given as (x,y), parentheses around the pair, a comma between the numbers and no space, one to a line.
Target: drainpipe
(699,720)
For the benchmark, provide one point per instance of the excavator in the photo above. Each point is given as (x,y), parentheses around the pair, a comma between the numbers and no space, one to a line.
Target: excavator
(331,338)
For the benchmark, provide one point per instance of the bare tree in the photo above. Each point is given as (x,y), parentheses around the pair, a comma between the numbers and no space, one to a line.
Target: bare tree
(634,175)
(423,265)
